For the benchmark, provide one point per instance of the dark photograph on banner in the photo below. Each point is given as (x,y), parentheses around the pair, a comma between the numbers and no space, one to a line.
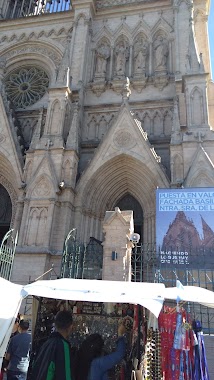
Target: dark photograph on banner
(185,227)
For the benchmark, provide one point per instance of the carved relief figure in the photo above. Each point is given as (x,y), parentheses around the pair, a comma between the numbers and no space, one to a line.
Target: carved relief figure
(161,52)
(121,56)
(140,55)
(102,55)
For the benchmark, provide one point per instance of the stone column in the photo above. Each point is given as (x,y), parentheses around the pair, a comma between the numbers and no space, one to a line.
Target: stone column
(111,63)
(130,61)
(151,68)
(117,227)
(50,220)
(24,223)
(177,57)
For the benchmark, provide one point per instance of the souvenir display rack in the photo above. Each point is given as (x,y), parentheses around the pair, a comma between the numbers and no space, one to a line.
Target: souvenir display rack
(94,317)
(168,348)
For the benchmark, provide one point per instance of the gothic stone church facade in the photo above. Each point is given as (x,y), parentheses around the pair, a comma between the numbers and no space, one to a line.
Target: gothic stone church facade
(77,138)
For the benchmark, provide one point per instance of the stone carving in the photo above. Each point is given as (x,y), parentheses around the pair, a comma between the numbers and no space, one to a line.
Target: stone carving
(48,52)
(42,188)
(26,85)
(99,86)
(161,52)
(97,125)
(161,81)
(124,140)
(156,122)
(28,125)
(110,3)
(102,127)
(63,73)
(121,57)
(37,226)
(57,35)
(140,56)
(126,92)
(102,55)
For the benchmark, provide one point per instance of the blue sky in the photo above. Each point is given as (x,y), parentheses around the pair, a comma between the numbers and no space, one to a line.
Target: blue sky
(211,34)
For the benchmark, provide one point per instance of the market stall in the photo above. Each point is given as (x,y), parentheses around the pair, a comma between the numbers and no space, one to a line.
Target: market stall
(165,341)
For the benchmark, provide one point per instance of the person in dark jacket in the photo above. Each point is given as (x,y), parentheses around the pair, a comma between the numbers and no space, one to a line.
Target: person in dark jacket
(90,364)
(18,353)
(54,361)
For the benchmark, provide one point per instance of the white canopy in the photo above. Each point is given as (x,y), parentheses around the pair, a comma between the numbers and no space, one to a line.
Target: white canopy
(149,295)
(11,295)
(190,294)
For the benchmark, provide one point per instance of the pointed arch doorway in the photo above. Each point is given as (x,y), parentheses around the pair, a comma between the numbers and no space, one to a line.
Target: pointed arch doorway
(5,211)
(128,202)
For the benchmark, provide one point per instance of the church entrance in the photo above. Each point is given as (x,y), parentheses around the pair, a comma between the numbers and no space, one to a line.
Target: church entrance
(128,202)
(5,212)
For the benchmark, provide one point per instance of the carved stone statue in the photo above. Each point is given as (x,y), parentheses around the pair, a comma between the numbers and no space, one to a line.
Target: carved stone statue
(140,56)
(102,55)
(121,56)
(161,52)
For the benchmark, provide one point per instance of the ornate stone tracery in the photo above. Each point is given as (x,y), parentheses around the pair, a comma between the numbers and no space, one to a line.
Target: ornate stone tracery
(26,85)
(110,3)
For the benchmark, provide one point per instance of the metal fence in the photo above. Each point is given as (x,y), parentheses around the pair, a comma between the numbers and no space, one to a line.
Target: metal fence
(24,8)
(149,264)
(7,253)
(81,260)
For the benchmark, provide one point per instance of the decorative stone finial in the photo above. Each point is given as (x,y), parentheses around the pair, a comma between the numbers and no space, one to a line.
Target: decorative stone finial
(126,92)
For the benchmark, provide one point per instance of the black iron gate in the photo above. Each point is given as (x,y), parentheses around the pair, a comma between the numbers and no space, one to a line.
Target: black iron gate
(82,260)
(7,253)
(149,264)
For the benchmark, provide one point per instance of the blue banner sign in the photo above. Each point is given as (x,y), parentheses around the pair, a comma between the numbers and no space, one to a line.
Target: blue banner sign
(185,226)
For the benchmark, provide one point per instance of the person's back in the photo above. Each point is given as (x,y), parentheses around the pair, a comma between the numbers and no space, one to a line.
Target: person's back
(100,366)
(54,359)
(96,365)
(18,353)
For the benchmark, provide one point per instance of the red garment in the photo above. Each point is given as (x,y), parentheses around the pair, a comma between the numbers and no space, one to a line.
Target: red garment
(171,357)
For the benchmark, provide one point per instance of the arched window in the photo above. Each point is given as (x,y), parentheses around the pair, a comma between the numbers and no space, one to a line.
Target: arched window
(5,211)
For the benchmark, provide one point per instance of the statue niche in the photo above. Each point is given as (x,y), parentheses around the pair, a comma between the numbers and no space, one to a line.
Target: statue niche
(102,58)
(121,55)
(140,56)
(161,53)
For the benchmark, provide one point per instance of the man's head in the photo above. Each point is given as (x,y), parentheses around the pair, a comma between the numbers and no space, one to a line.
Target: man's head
(63,323)
(23,325)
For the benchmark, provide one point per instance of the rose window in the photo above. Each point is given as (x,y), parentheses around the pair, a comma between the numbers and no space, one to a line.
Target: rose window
(26,86)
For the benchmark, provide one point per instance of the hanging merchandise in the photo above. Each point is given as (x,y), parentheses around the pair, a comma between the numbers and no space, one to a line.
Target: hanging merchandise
(176,343)
(97,317)
(182,344)
(153,351)
(200,368)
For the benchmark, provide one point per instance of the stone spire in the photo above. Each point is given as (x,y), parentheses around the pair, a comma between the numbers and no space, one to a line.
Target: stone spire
(72,140)
(63,77)
(192,59)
